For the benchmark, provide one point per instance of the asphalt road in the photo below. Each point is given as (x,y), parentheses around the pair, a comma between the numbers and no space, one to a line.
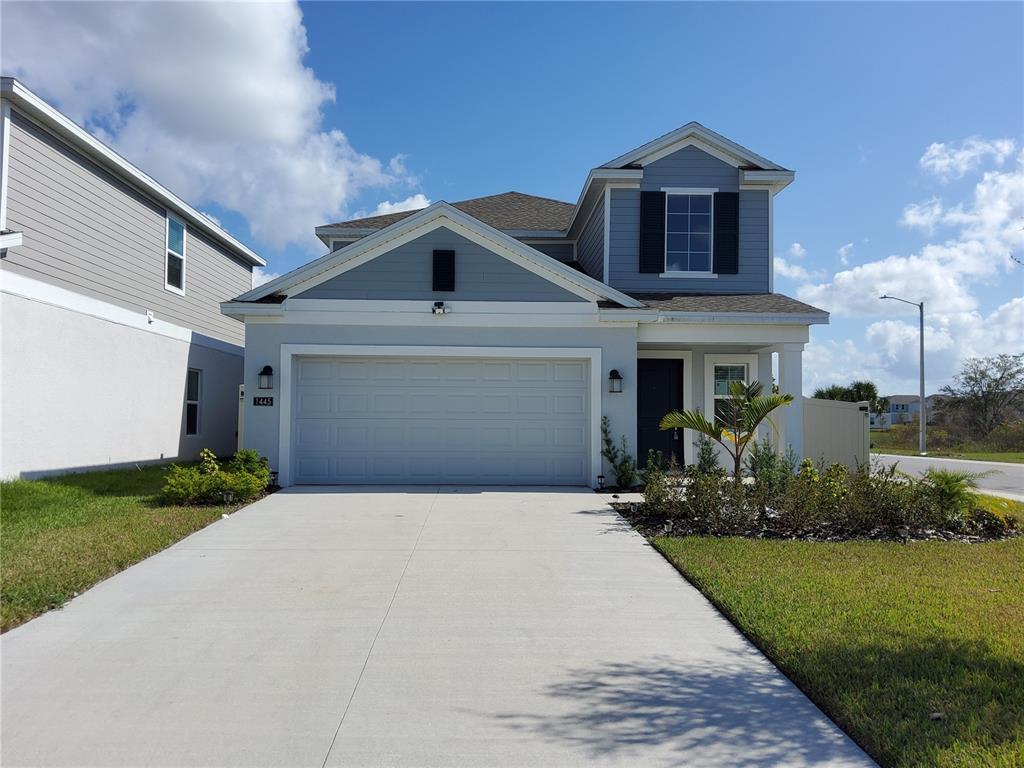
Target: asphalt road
(1006,479)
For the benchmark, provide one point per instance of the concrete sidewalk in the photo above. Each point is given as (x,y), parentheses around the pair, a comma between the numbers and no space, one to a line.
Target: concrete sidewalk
(403,627)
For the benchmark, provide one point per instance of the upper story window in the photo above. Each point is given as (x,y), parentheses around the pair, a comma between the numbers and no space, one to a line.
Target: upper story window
(174,267)
(688,234)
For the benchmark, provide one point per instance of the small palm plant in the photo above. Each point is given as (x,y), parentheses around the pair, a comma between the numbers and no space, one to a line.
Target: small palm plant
(736,419)
(952,489)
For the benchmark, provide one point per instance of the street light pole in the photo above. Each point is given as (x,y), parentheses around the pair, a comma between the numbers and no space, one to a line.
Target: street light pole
(922,443)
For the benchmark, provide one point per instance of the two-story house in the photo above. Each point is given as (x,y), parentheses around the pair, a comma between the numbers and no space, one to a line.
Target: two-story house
(483,341)
(113,350)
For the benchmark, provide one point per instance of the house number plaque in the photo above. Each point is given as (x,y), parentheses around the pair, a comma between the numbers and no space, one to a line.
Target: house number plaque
(263,401)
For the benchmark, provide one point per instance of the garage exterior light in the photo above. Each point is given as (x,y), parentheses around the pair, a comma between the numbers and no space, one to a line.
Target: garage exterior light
(266,378)
(614,381)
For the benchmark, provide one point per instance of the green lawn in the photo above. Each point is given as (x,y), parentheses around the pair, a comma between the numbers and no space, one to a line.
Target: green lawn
(1015,457)
(61,535)
(881,635)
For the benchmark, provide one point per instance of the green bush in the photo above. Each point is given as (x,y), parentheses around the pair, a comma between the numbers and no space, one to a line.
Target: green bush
(208,483)
(618,456)
(707,456)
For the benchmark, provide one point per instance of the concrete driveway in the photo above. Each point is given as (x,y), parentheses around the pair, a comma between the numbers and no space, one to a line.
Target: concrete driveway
(403,627)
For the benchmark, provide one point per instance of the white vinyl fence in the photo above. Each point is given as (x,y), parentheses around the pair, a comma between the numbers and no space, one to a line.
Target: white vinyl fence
(836,432)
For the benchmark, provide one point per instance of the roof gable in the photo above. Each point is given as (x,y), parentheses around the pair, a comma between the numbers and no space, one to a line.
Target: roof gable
(439,214)
(694,134)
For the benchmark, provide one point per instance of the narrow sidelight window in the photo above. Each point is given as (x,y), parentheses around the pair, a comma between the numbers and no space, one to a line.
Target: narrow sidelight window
(444,270)
(725,376)
(193,392)
(174,265)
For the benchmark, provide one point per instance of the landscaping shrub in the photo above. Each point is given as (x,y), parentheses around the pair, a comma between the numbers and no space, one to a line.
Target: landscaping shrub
(209,483)
(1007,437)
(707,456)
(618,457)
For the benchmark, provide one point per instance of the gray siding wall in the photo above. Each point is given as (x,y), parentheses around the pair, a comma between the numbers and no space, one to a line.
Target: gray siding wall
(558,251)
(590,248)
(689,167)
(87,231)
(406,273)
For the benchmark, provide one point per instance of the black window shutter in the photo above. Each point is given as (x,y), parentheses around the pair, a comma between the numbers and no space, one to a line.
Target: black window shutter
(727,233)
(444,270)
(652,232)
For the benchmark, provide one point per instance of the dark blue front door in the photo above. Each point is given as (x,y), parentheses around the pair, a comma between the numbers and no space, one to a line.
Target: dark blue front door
(659,390)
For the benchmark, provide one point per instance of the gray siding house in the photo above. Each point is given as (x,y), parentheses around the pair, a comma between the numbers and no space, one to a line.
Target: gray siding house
(483,341)
(113,347)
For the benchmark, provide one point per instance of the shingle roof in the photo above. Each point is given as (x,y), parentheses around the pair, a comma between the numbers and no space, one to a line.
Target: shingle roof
(509,210)
(772,303)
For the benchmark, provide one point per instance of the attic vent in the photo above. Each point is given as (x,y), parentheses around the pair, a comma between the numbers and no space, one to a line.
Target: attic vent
(444,270)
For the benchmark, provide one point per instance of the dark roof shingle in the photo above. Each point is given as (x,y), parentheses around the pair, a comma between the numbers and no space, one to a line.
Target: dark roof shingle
(509,210)
(772,303)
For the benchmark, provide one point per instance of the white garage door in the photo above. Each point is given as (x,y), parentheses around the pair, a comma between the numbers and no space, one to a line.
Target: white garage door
(440,420)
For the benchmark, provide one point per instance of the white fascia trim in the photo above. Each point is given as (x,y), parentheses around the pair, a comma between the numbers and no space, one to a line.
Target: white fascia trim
(771,241)
(533,234)
(721,334)
(5,152)
(774,180)
(11,240)
(441,214)
(290,351)
(36,290)
(693,133)
(607,235)
(750,318)
(426,305)
(625,176)
(85,142)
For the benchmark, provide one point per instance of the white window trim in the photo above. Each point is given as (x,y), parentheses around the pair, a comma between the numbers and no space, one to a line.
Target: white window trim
(167,250)
(710,361)
(197,403)
(710,273)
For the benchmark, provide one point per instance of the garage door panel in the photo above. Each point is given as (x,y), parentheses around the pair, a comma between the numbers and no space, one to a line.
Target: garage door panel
(458,420)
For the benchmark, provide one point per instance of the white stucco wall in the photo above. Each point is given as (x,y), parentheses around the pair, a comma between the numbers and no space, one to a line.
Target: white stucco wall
(263,347)
(77,391)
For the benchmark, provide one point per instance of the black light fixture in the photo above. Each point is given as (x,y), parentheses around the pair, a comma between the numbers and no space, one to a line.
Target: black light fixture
(614,380)
(600,482)
(266,378)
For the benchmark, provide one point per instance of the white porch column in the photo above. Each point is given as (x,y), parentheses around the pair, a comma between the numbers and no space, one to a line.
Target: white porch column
(791,382)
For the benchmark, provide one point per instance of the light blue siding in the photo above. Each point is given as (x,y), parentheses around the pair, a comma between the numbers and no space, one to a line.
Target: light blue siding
(590,248)
(689,167)
(406,273)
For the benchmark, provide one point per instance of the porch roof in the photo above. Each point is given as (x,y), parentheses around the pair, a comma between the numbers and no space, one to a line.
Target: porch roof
(754,303)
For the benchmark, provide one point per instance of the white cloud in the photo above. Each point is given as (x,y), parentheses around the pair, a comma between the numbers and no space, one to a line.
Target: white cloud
(411,203)
(260,275)
(949,275)
(949,161)
(226,114)
(793,271)
(797,251)
(844,253)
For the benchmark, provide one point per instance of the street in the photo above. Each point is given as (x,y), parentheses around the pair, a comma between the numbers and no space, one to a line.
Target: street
(1006,479)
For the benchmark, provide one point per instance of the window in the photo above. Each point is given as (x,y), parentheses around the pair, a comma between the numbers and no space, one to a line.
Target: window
(725,376)
(174,272)
(688,232)
(193,390)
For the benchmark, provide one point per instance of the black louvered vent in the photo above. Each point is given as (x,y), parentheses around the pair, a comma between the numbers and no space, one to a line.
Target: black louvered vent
(727,233)
(652,232)
(444,270)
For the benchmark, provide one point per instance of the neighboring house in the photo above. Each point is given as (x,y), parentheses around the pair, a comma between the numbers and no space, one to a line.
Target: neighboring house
(482,341)
(114,350)
(904,409)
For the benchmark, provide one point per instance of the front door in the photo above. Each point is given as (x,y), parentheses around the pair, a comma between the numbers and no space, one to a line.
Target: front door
(659,390)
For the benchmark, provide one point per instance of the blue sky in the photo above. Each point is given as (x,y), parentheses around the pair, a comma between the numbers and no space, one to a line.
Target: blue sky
(451,101)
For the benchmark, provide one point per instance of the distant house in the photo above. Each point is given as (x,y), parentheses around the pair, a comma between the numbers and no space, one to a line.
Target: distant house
(114,347)
(904,409)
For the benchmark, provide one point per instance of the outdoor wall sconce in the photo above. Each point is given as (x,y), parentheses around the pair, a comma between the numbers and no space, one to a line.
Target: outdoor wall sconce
(614,380)
(440,308)
(273,479)
(266,378)
(600,482)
